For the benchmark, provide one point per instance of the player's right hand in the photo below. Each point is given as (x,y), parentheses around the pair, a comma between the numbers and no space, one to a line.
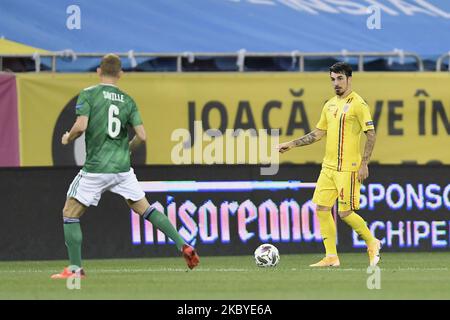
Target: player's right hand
(283,147)
(65,138)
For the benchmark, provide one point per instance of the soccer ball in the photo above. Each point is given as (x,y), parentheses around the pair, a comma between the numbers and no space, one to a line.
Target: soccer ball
(267,255)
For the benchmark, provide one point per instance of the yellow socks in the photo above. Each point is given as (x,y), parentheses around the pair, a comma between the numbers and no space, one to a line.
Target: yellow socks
(328,231)
(359,225)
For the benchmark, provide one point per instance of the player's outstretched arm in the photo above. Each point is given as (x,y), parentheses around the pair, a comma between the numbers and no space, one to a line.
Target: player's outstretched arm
(77,130)
(138,138)
(363,172)
(310,138)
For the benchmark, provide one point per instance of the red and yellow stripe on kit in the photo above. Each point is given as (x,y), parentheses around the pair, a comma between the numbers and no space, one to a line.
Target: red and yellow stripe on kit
(341,142)
(352,191)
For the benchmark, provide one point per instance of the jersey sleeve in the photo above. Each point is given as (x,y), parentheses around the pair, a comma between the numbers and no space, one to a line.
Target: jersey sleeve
(135,117)
(322,124)
(82,108)
(364,117)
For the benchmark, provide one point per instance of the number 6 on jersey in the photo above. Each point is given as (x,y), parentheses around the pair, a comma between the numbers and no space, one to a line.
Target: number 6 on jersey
(113,122)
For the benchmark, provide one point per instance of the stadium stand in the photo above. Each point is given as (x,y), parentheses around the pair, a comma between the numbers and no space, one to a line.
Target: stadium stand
(226,27)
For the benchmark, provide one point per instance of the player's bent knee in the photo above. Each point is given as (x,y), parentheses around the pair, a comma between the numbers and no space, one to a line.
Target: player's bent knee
(73,208)
(344,214)
(67,211)
(70,213)
(139,206)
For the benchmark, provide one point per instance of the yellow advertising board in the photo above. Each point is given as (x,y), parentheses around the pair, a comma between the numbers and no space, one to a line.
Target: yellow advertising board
(411,112)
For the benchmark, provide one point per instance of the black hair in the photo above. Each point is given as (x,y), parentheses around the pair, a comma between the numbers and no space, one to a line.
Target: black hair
(341,67)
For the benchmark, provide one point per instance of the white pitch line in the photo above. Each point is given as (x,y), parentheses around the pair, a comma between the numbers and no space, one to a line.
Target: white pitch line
(226,270)
(331,269)
(130,270)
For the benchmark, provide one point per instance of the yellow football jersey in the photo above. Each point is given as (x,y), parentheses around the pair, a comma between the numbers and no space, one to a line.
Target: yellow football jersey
(344,120)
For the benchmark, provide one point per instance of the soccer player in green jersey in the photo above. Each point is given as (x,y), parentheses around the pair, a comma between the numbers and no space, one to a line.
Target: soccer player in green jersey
(104,112)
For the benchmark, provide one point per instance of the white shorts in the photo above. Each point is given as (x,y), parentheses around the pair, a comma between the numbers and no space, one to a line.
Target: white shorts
(88,187)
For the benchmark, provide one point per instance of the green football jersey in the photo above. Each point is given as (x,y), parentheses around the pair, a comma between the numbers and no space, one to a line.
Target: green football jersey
(110,112)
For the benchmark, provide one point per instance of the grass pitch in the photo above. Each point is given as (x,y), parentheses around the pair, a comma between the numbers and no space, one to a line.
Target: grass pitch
(403,276)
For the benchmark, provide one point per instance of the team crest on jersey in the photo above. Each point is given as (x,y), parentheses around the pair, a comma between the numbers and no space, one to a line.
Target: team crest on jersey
(333,109)
(346,107)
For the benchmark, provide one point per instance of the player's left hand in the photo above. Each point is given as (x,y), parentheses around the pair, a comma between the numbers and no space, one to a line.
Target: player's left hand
(65,138)
(363,172)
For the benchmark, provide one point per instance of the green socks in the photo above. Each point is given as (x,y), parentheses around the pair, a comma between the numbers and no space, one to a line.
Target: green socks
(160,221)
(73,237)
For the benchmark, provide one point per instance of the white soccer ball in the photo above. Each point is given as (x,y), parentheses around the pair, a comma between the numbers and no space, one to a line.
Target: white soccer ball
(267,255)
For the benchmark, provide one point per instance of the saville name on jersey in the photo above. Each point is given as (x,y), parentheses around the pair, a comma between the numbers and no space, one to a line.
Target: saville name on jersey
(113,96)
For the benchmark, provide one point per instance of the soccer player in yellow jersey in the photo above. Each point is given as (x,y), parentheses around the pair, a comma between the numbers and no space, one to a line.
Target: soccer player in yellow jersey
(344,117)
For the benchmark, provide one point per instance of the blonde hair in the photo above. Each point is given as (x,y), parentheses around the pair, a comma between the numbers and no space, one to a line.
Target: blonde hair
(111,65)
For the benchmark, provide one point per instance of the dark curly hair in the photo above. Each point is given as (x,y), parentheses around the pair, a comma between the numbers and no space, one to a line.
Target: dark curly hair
(341,67)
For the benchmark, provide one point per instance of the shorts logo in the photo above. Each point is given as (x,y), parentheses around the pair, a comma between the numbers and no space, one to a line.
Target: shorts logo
(78,106)
(369,123)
